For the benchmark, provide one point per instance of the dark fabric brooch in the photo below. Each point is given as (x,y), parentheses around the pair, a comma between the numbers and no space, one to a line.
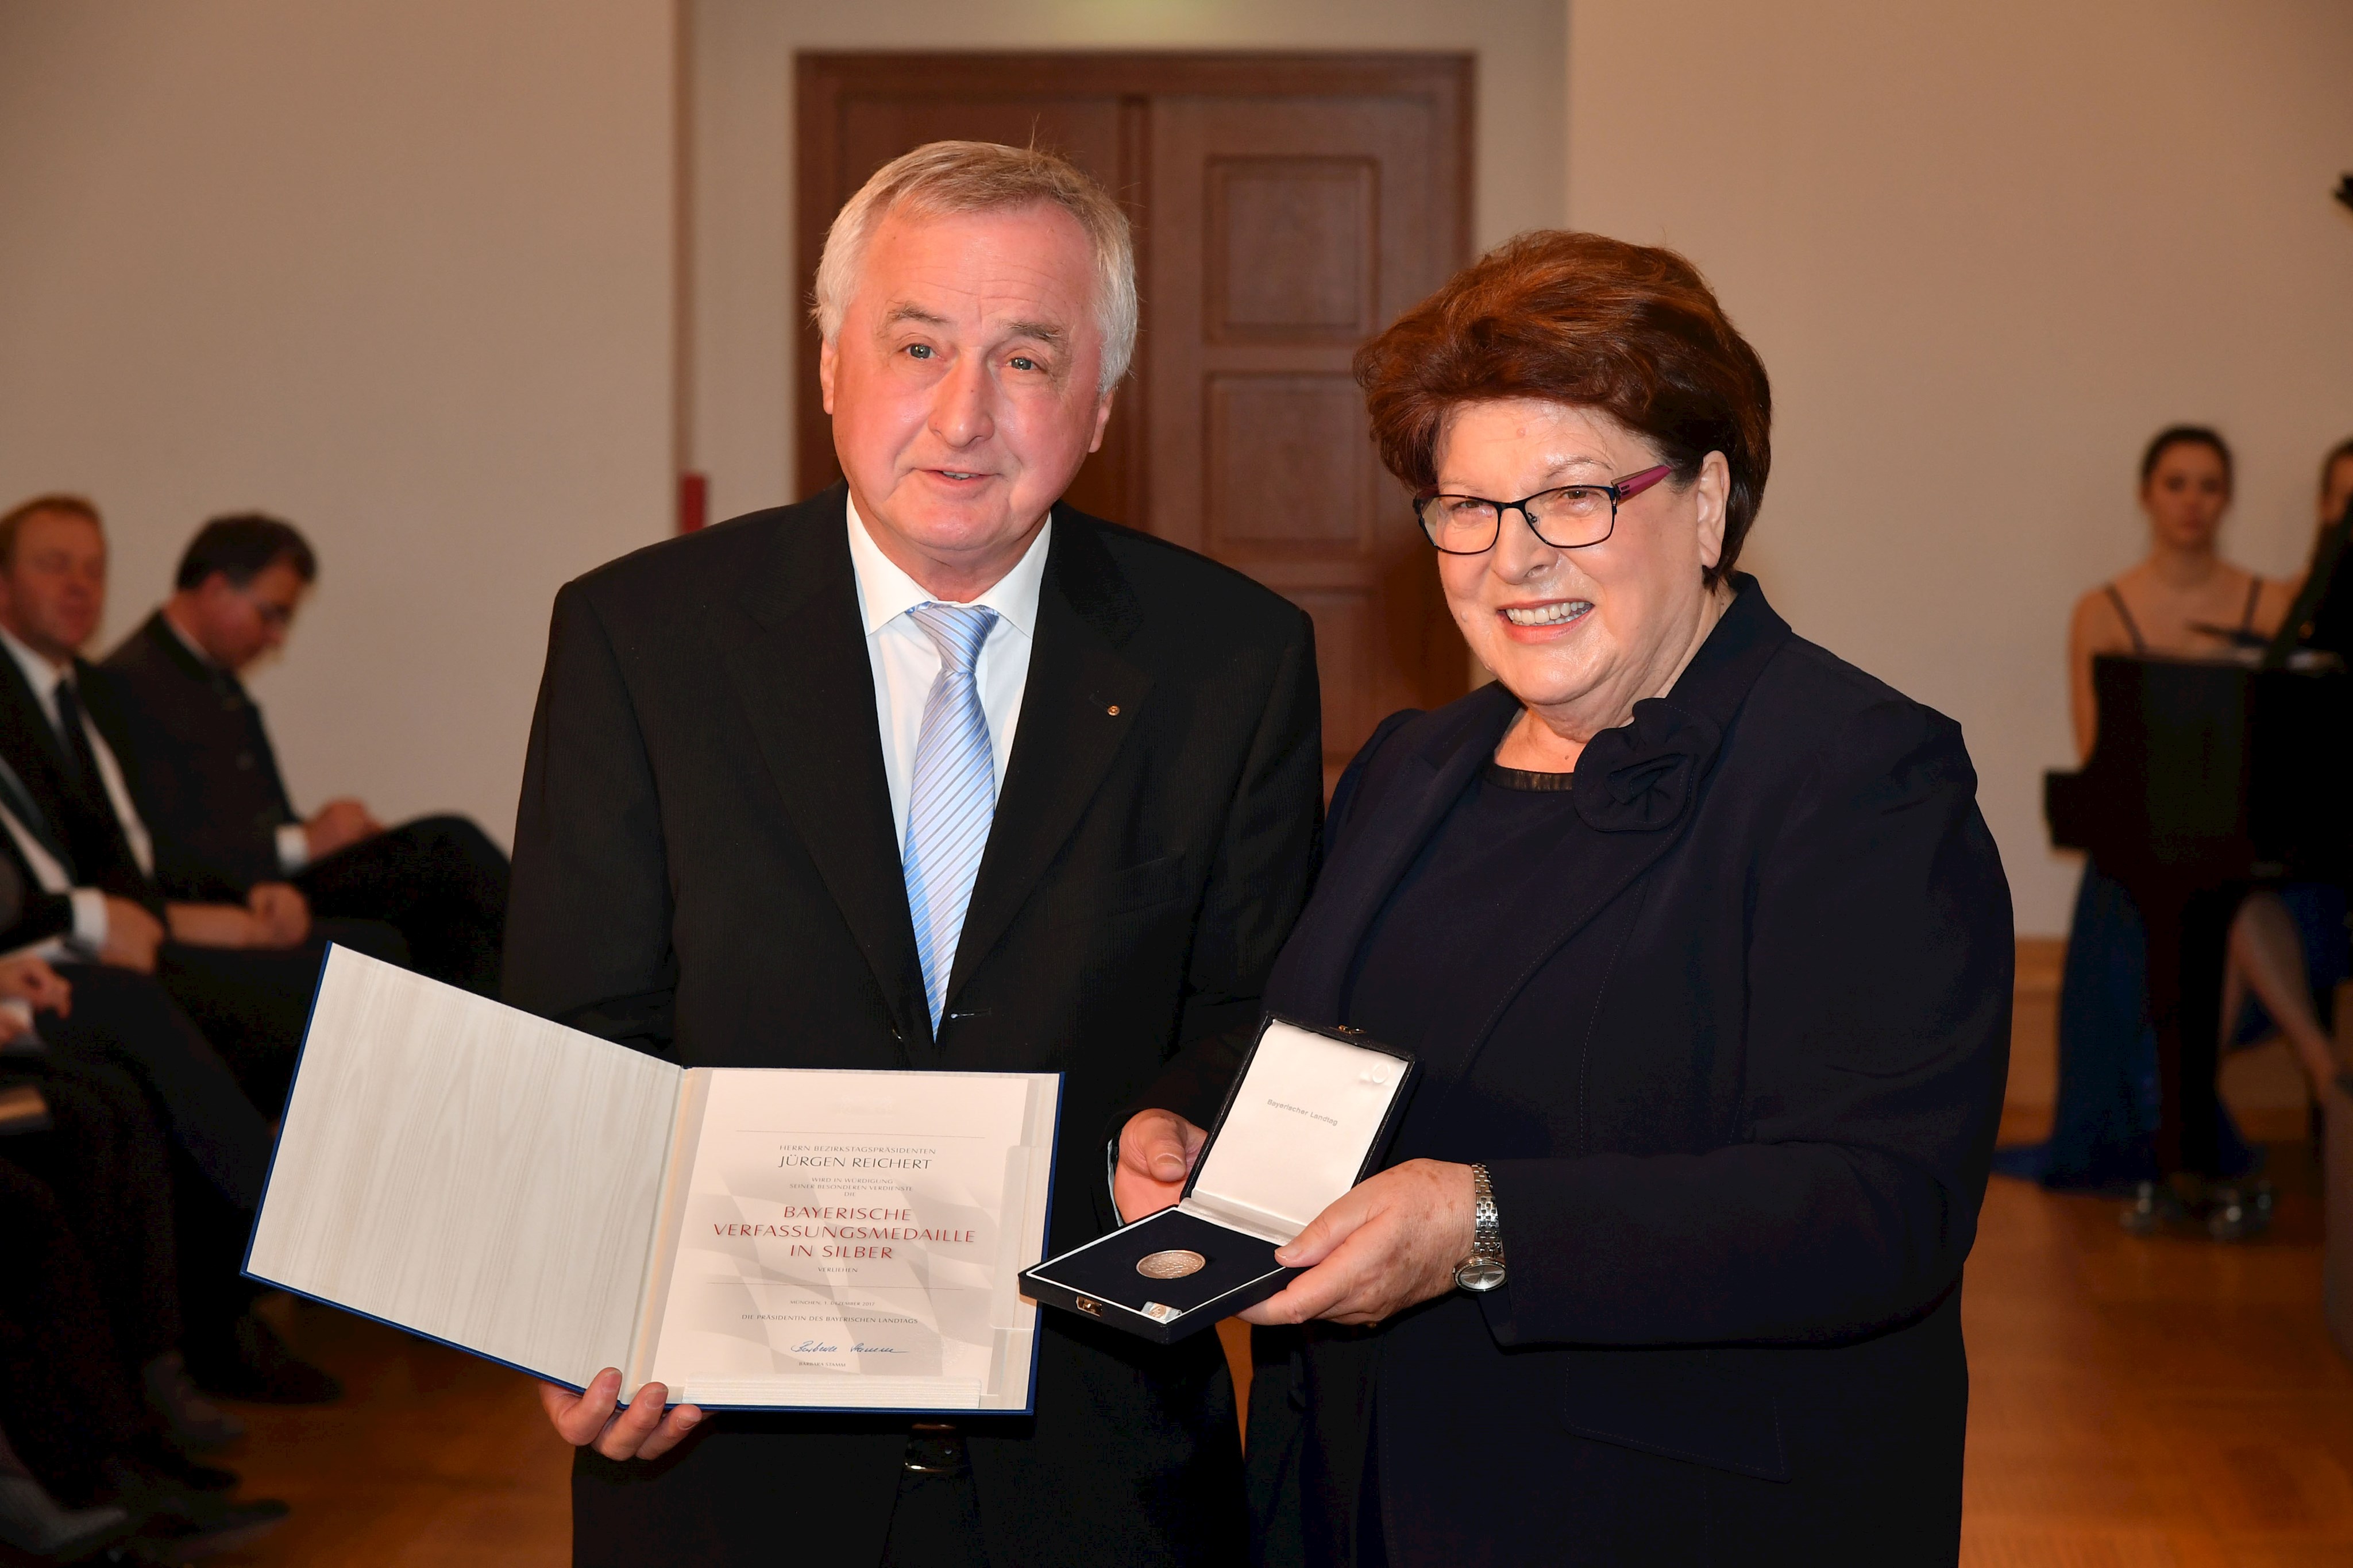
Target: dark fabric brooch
(1641,776)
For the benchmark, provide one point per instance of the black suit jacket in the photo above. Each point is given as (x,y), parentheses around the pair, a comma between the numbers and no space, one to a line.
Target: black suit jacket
(706,867)
(27,915)
(78,825)
(1737,1088)
(209,789)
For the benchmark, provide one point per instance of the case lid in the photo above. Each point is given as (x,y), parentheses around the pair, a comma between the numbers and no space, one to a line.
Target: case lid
(1303,1123)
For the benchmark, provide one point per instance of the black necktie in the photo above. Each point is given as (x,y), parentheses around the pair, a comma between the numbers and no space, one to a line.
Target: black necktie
(81,762)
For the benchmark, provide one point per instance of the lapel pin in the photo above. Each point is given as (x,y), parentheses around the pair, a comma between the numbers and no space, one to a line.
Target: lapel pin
(1112,709)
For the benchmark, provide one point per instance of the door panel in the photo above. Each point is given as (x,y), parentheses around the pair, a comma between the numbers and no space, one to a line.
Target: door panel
(1309,224)
(1287,207)
(1293,249)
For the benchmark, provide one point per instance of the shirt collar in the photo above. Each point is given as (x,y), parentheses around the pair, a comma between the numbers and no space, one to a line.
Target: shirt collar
(885,593)
(39,673)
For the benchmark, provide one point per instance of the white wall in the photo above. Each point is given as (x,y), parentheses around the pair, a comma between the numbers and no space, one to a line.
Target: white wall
(747,301)
(1987,250)
(399,270)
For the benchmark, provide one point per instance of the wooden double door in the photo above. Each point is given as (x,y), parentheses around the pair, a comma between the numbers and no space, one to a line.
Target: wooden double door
(1286,208)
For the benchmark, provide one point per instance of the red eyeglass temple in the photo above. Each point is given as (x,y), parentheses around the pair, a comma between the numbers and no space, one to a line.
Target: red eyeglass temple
(1625,490)
(1633,485)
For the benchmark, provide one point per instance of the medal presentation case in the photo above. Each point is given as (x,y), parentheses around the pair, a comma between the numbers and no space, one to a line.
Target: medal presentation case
(1306,1120)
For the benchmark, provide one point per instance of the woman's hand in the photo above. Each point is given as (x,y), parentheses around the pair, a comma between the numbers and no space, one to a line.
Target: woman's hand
(32,981)
(1157,1151)
(643,1431)
(1389,1243)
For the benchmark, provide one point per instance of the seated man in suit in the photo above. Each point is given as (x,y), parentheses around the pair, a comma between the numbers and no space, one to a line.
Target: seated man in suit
(243,971)
(105,1021)
(69,1398)
(929,771)
(209,785)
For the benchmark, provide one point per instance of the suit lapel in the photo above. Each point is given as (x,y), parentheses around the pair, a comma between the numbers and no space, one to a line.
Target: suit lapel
(20,806)
(1080,702)
(1430,775)
(808,692)
(33,751)
(222,685)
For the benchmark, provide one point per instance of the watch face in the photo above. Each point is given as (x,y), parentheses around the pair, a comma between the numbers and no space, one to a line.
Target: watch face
(1480,1274)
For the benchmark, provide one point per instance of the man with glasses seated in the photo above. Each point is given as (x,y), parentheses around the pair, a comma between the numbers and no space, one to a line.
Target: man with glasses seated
(209,782)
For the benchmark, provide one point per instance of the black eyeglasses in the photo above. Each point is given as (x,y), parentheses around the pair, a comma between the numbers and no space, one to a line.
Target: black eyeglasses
(1570,517)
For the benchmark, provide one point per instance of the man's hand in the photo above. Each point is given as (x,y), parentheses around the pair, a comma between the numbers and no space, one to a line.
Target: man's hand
(212,925)
(1157,1151)
(132,935)
(640,1431)
(31,981)
(339,825)
(1389,1243)
(281,911)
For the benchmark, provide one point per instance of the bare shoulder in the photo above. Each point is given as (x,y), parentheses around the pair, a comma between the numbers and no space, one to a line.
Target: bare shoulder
(2095,627)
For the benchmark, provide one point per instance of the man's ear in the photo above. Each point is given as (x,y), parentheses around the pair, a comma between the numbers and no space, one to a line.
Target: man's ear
(825,358)
(1102,418)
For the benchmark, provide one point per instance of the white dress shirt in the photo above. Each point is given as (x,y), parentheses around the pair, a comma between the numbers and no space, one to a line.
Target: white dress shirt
(89,903)
(906,662)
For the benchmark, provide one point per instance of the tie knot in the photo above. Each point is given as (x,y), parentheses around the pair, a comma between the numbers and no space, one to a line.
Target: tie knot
(957,630)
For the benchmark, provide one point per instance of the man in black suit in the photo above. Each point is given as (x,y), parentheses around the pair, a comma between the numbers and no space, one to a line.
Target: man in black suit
(243,971)
(758,747)
(208,779)
(110,1020)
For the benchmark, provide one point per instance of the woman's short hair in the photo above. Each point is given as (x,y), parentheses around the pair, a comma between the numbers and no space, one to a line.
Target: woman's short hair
(1630,331)
(945,177)
(2174,436)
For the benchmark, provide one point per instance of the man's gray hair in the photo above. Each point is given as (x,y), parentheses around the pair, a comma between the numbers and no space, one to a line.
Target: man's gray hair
(945,177)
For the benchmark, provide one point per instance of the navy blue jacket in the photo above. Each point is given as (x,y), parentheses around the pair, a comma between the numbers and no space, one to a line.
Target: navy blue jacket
(1737,1088)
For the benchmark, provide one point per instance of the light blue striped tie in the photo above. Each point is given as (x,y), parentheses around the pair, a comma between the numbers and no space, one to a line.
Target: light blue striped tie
(955,794)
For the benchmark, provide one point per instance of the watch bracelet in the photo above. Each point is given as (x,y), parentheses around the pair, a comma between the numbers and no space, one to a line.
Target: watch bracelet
(1486,1222)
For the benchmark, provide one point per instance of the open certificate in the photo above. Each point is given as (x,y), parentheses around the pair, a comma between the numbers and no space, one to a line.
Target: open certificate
(772,1238)
(849,1232)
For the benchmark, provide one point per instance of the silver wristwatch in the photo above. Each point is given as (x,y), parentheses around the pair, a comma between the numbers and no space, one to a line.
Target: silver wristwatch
(1483,1270)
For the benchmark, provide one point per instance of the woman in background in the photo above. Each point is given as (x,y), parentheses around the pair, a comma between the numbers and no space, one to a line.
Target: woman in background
(2182,601)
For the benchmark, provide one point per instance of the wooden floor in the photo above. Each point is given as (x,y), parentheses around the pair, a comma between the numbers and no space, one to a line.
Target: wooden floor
(433,1459)
(2144,1403)
(2135,1404)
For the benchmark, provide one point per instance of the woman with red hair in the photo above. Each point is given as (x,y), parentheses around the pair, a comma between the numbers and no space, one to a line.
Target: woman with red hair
(1704,952)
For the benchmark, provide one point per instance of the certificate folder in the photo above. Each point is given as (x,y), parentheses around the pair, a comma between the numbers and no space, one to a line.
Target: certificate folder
(1306,1120)
(756,1238)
